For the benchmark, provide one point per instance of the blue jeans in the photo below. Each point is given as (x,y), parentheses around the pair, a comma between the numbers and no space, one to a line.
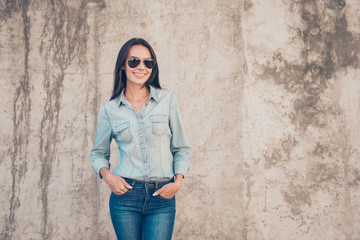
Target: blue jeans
(137,215)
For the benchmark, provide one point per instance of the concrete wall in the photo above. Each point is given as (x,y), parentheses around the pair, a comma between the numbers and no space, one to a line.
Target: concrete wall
(269,92)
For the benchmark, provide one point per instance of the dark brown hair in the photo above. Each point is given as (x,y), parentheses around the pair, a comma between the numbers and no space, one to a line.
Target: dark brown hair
(119,73)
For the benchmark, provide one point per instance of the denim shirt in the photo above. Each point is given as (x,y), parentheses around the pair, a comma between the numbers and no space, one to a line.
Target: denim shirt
(153,145)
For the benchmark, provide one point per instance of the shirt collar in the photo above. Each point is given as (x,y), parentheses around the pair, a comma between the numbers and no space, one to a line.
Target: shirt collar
(121,98)
(153,95)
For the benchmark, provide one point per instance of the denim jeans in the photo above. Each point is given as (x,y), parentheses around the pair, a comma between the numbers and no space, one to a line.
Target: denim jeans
(137,215)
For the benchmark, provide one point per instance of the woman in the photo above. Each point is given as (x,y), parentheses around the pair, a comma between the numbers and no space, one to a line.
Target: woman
(155,154)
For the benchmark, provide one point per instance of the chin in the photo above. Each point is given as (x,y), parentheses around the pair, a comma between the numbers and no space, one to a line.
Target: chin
(139,83)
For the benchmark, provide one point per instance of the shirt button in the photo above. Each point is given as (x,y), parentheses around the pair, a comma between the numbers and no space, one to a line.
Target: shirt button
(141,135)
(143,150)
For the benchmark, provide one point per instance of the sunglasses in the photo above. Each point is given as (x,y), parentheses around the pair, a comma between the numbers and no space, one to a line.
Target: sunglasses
(133,62)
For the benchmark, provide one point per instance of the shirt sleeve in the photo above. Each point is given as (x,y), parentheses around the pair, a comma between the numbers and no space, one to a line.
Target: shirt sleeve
(180,146)
(100,154)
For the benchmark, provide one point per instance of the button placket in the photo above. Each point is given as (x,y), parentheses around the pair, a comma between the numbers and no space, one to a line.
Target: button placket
(143,146)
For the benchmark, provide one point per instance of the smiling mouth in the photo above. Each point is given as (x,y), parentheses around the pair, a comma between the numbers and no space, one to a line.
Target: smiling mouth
(139,75)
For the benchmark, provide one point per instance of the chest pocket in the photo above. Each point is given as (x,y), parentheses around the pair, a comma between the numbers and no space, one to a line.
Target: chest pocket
(122,132)
(160,124)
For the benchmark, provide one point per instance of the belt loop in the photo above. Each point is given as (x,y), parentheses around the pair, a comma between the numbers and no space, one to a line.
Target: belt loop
(156,185)
(133,183)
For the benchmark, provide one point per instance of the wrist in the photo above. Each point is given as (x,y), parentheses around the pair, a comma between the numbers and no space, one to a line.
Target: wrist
(178,179)
(104,172)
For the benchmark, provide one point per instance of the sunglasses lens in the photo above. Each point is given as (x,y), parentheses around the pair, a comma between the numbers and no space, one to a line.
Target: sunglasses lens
(133,62)
(149,63)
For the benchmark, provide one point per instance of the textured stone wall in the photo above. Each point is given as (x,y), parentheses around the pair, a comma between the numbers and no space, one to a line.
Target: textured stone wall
(269,93)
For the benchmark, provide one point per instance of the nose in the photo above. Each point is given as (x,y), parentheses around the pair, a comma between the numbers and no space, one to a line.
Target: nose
(141,65)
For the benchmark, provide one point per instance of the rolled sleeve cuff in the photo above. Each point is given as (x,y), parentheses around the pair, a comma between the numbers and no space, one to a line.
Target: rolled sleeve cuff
(181,167)
(100,163)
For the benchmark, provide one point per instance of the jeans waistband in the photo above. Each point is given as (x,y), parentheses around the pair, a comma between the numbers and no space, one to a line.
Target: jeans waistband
(155,184)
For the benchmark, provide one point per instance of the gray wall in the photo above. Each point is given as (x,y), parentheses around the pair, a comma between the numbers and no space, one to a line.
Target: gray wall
(269,93)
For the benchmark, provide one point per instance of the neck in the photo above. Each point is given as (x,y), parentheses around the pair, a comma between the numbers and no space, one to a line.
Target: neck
(135,92)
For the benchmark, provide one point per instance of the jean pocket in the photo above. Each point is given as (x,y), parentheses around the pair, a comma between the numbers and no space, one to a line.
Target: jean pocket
(166,198)
(160,124)
(122,132)
(119,195)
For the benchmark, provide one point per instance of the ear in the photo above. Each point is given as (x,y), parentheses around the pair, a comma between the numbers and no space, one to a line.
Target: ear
(123,67)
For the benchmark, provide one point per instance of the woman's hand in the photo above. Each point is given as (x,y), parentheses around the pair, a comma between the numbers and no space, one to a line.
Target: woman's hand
(117,184)
(170,189)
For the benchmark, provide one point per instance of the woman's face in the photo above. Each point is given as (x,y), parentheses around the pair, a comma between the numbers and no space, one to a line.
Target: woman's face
(140,74)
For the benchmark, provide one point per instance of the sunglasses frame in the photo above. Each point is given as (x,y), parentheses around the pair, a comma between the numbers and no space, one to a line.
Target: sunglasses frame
(144,62)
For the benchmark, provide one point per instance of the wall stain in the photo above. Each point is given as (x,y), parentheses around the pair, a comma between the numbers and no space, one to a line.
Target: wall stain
(296,196)
(248,5)
(277,156)
(326,50)
(347,45)
(64,40)
(9,8)
(92,98)
(345,151)
(356,178)
(321,174)
(328,47)
(322,150)
(21,124)
(232,15)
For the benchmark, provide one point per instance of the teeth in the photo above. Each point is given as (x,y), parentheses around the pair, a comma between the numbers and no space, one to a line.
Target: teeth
(139,74)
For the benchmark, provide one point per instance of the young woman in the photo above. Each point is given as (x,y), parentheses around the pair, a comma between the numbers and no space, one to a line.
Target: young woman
(155,154)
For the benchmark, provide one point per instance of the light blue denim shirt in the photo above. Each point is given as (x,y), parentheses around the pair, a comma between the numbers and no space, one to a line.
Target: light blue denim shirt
(153,145)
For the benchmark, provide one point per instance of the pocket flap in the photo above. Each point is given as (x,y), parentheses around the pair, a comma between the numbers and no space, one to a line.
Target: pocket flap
(121,126)
(158,118)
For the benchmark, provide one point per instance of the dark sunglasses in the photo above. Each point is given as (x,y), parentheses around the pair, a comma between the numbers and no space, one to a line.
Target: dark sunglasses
(133,62)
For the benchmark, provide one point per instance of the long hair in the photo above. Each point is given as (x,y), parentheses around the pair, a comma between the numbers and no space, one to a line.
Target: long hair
(119,73)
